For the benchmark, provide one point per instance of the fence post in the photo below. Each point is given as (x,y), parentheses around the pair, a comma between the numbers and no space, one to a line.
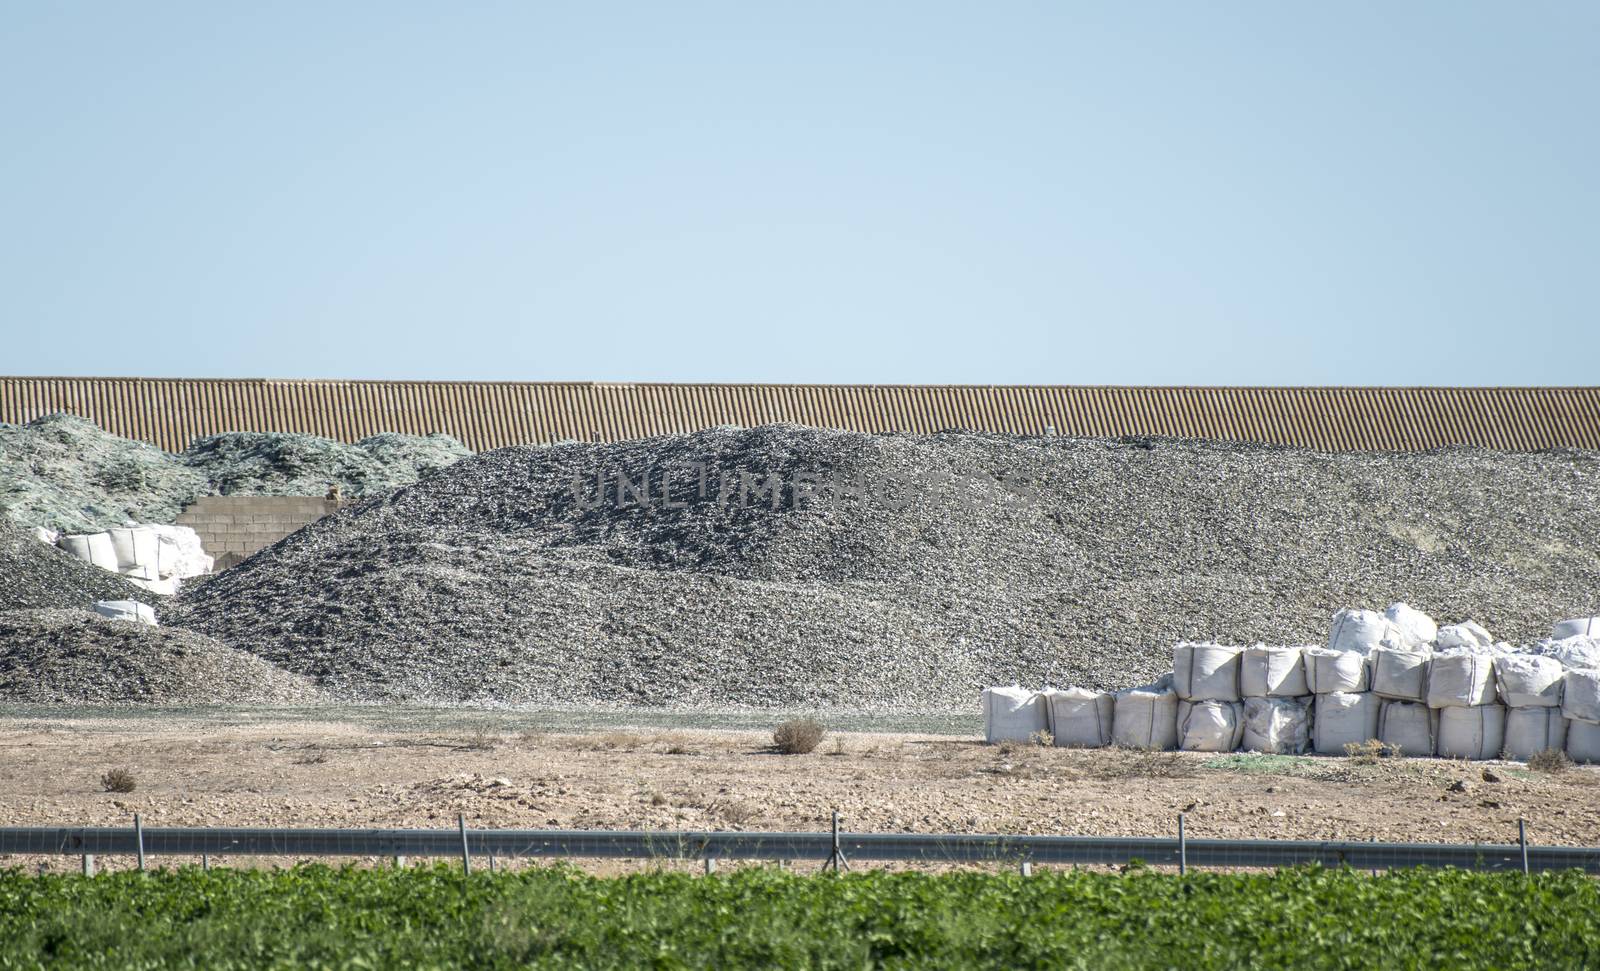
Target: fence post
(205,862)
(138,839)
(836,858)
(466,854)
(1522,838)
(399,863)
(88,864)
(1026,868)
(1183,848)
(711,865)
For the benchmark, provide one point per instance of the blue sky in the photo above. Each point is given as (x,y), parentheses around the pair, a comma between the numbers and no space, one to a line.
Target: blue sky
(1230,193)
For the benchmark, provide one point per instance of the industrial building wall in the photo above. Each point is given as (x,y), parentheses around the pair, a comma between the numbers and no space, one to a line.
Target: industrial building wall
(171,413)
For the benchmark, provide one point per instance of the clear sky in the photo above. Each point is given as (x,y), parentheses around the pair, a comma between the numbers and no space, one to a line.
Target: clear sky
(1124,192)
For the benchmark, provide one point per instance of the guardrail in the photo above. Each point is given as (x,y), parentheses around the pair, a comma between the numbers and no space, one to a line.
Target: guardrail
(835,848)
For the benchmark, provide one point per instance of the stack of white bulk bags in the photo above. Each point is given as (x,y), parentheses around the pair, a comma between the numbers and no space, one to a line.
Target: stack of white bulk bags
(1206,672)
(1281,726)
(1468,634)
(1210,726)
(1580,694)
(1576,627)
(1014,714)
(1475,732)
(1362,631)
(1146,717)
(1409,727)
(1528,680)
(1079,717)
(1343,718)
(1461,678)
(1400,675)
(1583,741)
(129,610)
(1416,629)
(155,557)
(1272,672)
(1328,671)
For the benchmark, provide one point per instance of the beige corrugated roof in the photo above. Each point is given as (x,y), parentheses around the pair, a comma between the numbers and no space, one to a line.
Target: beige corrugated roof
(172,412)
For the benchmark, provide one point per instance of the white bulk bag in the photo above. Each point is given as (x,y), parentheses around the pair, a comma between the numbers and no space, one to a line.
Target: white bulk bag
(1576,627)
(1417,630)
(1580,694)
(1272,672)
(1409,727)
(1080,718)
(1400,675)
(102,553)
(129,610)
(1583,741)
(1329,671)
(1210,726)
(46,536)
(1013,714)
(1572,652)
(1476,732)
(1206,672)
(1468,634)
(1461,679)
(1146,717)
(135,550)
(1530,731)
(1528,680)
(1343,718)
(180,553)
(76,546)
(1362,631)
(1281,726)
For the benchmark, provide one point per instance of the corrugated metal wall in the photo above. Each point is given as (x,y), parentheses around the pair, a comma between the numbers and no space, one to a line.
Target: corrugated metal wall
(172,412)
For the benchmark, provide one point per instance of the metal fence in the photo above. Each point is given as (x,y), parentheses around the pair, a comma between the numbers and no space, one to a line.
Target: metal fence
(836,848)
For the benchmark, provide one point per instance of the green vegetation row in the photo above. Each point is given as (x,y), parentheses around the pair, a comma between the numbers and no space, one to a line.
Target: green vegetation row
(435,917)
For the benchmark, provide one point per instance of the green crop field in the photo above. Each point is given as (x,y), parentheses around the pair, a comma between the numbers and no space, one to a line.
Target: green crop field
(435,917)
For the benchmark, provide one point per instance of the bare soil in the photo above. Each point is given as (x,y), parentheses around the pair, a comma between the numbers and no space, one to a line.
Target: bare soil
(349,772)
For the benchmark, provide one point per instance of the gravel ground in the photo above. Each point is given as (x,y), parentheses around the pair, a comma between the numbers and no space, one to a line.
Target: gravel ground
(52,656)
(944,563)
(35,575)
(66,473)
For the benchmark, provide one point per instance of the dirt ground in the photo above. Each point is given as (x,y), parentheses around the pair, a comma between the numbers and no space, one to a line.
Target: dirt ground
(304,772)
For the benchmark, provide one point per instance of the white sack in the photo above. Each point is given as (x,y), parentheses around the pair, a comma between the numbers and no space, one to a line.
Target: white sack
(167,587)
(1362,631)
(1417,630)
(1530,731)
(1468,634)
(1583,741)
(1146,717)
(1272,672)
(128,610)
(179,552)
(1013,714)
(1343,718)
(1476,732)
(1576,627)
(1206,672)
(1528,680)
(1329,671)
(76,546)
(1400,675)
(1210,726)
(1572,652)
(46,536)
(1281,726)
(1461,679)
(135,550)
(1080,718)
(1580,694)
(1409,727)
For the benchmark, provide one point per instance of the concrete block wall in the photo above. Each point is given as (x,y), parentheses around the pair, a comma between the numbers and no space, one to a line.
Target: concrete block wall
(233,527)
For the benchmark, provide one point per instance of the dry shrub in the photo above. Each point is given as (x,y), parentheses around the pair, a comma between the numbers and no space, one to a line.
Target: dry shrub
(738,812)
(118,780)
(1370,751)
(1551,760)
(798,736)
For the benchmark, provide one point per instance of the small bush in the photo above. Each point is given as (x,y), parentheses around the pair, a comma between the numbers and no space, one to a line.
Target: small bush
(798,736)
(1370,751)
(1550,760)
(118,780)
